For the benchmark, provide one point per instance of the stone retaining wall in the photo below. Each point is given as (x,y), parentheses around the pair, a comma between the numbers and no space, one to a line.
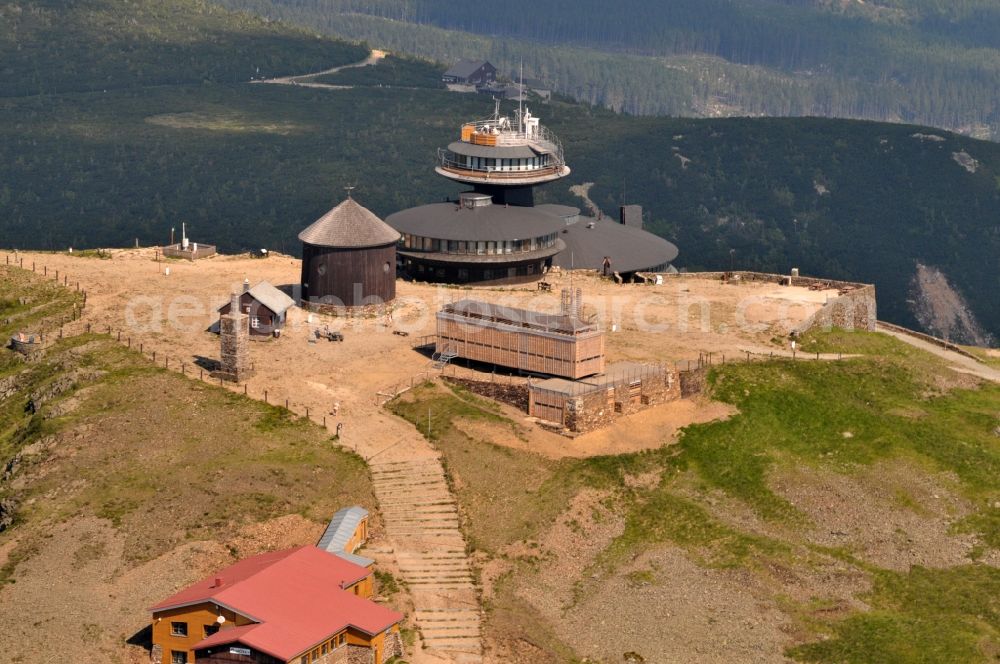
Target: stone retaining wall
(515,395)
(852,310)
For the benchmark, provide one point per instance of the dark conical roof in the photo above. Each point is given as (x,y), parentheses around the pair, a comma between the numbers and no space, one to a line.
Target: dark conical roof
(349,225)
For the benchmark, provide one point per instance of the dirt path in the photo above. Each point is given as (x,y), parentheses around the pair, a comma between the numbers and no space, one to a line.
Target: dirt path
(583,191)
(306,80)
(958,362)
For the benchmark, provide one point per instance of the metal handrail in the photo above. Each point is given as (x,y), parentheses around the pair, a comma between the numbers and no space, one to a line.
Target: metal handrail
(552,168)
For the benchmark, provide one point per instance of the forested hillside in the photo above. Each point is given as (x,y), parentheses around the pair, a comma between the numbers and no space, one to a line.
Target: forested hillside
(49,46)
(921,61)
(250,165)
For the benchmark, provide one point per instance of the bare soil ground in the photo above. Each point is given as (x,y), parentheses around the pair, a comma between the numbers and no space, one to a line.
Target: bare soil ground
(342,382)
(646,430)
(674,322)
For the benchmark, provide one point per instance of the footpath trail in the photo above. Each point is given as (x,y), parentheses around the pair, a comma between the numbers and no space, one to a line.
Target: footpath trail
(957,361)
(422,525)
(306,80)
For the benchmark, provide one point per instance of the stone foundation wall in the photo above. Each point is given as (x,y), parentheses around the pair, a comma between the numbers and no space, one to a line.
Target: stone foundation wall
(393,646)
(514,395)
(335,656)
(359,655)
(341,311)
(601,407)
(853,310)
(693,382)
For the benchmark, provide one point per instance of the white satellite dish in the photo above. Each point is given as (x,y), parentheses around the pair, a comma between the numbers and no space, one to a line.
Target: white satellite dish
(220,619)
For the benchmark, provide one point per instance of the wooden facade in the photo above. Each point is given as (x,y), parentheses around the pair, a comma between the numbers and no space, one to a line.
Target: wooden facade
(263,321)
(520,339)
(348,277)
(198,620)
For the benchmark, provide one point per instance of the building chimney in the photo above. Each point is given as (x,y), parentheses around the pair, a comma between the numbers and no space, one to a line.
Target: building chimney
(246,285)
(218,582)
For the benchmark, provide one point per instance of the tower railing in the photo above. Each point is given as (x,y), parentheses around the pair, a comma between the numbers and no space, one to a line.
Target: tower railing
(448,163)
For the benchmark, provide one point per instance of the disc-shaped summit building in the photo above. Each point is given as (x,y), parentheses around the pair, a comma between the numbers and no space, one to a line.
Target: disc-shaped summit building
(348,259)
(495,232)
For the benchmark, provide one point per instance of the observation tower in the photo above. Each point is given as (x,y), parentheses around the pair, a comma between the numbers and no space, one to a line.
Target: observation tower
(494,232)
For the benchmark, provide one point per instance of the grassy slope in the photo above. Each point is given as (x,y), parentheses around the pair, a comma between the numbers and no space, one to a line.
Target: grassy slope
(166,460)
(791,415)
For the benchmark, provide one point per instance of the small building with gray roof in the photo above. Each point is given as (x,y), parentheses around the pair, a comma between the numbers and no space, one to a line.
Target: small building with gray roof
(470,72)
(266,306)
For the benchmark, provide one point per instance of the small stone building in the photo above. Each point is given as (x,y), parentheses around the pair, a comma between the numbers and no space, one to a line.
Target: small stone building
(591,403)
(348,260)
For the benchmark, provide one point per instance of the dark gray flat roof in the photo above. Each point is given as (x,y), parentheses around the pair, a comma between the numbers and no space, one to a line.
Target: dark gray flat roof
(448,221)
(499,152)
(630,249)
(559,210)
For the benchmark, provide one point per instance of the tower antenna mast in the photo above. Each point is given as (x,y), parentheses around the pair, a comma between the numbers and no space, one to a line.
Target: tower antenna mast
(520,98)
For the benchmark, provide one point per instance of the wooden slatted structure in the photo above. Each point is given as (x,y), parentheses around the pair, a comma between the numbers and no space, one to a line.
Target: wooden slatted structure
(530,341)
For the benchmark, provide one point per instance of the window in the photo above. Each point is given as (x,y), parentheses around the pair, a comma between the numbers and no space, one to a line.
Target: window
(315,654)
(325,649)
(178,657)
(305,659)
(255,323)
(179,629)
(210,630)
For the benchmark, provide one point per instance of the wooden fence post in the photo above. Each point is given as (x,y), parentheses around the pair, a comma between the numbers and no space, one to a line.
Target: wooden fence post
(265,396)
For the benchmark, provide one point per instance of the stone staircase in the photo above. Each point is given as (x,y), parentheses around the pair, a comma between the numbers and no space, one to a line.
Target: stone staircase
(421,519)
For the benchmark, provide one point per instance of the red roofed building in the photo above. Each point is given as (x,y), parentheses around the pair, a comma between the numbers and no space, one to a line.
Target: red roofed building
(299,606)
